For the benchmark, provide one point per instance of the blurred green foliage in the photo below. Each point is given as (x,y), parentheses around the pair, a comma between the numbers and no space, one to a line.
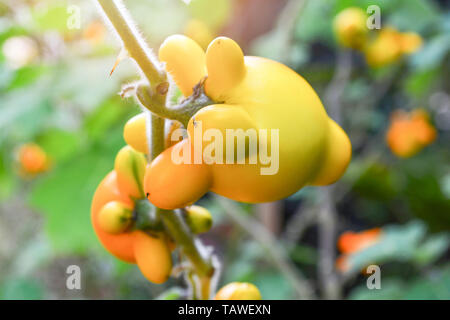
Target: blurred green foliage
(64,100)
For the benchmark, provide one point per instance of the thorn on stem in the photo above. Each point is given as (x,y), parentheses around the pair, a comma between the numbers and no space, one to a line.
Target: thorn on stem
(122,55)
(162,88)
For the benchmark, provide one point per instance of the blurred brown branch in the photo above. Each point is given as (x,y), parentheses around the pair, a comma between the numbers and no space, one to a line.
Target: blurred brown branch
(250,19)
(276,252)
(328,279)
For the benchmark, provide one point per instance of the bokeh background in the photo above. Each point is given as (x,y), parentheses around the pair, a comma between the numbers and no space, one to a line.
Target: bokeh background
(56,93)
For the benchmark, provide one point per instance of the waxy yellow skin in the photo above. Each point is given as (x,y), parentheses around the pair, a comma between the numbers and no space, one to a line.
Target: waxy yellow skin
(390,45)
(199,219)
(115,217)
(135,134)
(350,27)
(130,167)
(251,93)
(238,291)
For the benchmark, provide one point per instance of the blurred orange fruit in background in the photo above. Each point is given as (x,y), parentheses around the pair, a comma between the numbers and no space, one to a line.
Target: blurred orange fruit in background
(352,242)
(32,159)
(409,133)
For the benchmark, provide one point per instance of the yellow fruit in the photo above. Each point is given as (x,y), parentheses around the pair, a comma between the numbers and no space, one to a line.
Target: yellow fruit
(173,126)
(255,94)
(350,28)
(409,133)
(175,186)
(135,133)
(238,291)
(185,61)
(384,49)
(119,245)
(390,45)
(115,217)
(32,159)
(410,42)
(153,256)
(130,169)
(150,251)
(199,219)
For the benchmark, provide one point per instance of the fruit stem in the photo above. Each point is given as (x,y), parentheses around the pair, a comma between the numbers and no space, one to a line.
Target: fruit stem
(182,112)
(133,43)
(176,226)
(189,245)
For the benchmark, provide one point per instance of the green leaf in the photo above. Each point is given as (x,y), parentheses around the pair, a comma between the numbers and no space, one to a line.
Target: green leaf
(436,286)
(377,182)
(8,180)
(30,107)
(422,12)
(304,254)
(213,13)
(26,75)
(433,286)
(316,22)
(396,243)
(52,16)
(423,191)
(171,294)
(432,54)
(432,249)
(59,144)
(109,113)
(419,83)
(272,285)
(21,288)
(391,289)
(64,196)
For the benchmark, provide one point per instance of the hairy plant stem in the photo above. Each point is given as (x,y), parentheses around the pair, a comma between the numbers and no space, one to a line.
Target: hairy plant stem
(190,247)
(182,112)
(132,41)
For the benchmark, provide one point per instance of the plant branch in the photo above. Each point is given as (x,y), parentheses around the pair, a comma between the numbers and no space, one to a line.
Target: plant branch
(327,220)
(132,41)
(191,248)
(182,112)
(301,220)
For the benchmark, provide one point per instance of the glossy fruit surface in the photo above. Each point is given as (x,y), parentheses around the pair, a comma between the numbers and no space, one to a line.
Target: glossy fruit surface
(130,169)
(135,133)
(251,93)
(111,216)
(115,217)
(153,256)
(119,245)
(199,219)
(389,45)
(238,291)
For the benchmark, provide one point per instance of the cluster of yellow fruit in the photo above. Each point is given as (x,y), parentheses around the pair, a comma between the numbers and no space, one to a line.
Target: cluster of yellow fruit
(127,224)
(382,48)
(248,93)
